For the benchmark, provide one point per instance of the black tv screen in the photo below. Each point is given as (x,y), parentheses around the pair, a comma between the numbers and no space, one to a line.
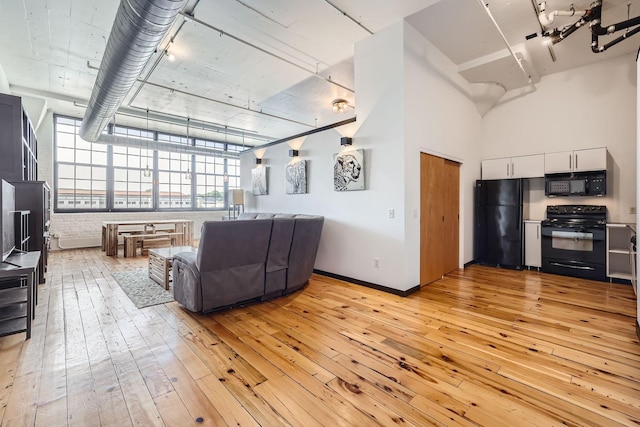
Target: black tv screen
(8,199)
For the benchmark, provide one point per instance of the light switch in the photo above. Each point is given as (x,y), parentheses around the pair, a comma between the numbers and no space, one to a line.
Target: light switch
(392,213)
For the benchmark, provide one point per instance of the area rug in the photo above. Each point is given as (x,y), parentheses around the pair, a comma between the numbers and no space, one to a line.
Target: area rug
(141,290)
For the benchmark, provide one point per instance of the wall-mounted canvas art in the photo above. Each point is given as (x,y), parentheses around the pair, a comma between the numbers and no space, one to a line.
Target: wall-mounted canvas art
(295,174)
(259,181)
(348,170)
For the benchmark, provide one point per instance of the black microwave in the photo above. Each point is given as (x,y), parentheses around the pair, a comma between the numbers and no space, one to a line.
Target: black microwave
(576,184)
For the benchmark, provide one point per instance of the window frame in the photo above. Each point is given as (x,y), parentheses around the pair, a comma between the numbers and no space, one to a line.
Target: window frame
(154,157)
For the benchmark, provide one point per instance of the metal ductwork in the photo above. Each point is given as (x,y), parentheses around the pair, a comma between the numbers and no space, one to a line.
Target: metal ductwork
(139,26)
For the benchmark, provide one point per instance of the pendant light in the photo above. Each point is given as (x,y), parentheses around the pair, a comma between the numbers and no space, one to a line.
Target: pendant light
(147,171)
(187,174)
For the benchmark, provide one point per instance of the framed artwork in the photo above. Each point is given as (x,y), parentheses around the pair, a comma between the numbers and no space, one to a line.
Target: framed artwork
(259,181)
(295,174)
(348,170)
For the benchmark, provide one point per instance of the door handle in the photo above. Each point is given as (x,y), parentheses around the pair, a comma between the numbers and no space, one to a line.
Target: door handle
(538,232)
(507,169)
(570,159)
(512,170)
(576,161)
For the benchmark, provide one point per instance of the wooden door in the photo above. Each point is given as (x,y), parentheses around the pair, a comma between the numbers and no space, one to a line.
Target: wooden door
(439,217)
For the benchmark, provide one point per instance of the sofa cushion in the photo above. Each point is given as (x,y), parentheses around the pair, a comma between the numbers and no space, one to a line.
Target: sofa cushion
(247,215)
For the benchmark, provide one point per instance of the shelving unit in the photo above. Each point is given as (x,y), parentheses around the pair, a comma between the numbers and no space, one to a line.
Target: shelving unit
(17,297)
(619,251)
(13,308)
(22,230)
(19,160)
(34,196)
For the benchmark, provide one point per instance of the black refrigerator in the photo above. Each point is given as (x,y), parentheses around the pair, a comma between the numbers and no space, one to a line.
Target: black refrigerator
(499,230)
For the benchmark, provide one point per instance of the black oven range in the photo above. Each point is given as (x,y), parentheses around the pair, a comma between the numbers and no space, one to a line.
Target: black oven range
(574,241)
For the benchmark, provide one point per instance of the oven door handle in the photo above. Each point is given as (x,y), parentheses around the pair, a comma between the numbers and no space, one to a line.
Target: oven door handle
(576,267)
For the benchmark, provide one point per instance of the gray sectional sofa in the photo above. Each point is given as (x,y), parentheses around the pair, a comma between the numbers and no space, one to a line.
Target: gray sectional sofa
(257,257)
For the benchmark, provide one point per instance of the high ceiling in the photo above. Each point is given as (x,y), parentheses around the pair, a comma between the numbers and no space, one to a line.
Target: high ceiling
(255,71)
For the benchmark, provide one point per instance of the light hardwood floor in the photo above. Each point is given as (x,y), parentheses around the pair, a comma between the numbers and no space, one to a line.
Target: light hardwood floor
(482,346)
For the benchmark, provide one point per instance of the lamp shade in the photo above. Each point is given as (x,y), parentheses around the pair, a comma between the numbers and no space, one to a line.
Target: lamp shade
(236,196)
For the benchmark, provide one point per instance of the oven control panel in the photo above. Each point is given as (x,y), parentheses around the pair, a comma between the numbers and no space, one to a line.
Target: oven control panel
(596,214)
(577,209)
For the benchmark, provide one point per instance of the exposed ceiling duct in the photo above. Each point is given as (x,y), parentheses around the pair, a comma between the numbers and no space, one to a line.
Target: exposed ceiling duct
(139,26)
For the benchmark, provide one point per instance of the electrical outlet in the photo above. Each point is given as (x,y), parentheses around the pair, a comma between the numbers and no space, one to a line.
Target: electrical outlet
(392,213)
(376,262)
(632,210)
(415,213)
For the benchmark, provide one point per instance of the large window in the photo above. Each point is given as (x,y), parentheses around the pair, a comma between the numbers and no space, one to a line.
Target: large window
(211,177)
(96,176)
(81,168)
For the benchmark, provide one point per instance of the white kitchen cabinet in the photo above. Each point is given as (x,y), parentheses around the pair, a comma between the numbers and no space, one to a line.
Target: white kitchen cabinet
(619,251)
(513,167)
(496,168)
(592,159)
(528,166)
(532,243)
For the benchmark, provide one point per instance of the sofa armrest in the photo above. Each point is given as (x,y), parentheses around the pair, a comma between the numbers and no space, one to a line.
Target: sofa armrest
(187,257)
(187,287)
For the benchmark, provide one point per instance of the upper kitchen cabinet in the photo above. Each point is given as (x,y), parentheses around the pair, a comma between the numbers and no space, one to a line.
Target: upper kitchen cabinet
(514,167)
(17,141)
(593,159)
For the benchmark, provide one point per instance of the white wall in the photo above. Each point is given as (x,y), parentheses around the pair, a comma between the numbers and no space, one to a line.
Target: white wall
(592,106)
(440,119)
(408,101)
(357,228)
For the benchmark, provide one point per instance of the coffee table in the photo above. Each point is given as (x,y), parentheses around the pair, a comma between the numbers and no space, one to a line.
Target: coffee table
(160,263)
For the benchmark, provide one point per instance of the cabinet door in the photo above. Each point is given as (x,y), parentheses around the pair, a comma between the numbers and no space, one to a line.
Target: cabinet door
(496,168)
(527,166)
(558,162)
(594,159)
(532,244)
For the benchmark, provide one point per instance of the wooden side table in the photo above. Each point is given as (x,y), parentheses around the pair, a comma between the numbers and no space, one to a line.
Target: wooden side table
(160,263)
